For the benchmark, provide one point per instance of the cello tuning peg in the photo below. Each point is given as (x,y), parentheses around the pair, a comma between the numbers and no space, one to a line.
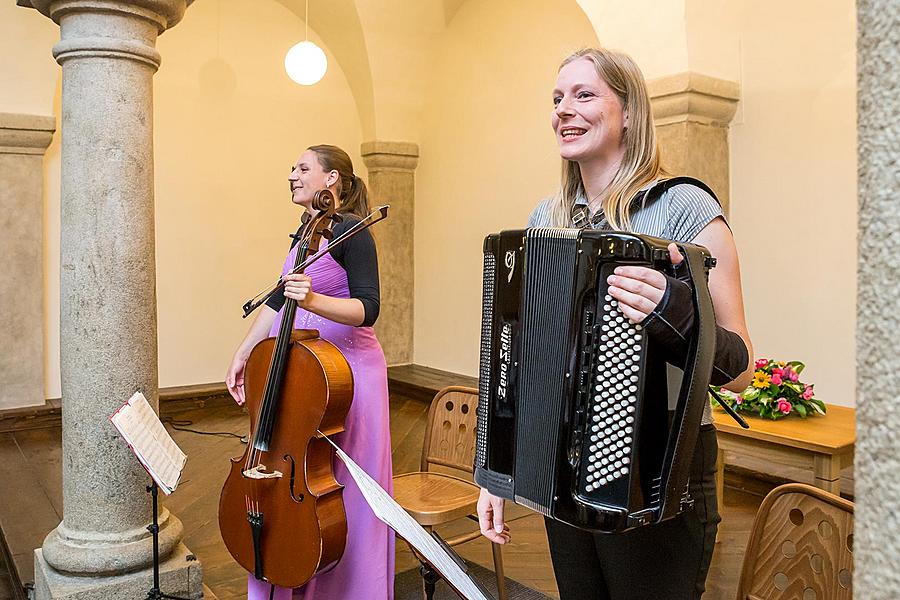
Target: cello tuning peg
(337,218)
(327,234)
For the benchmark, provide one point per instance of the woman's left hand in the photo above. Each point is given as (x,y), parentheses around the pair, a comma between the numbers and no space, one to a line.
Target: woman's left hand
(297,286)
(639,289)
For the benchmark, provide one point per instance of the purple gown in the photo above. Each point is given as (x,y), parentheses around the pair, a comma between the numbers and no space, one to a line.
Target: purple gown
(367,568)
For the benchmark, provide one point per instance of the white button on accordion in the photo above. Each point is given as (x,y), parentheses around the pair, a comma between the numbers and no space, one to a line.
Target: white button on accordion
(573,415)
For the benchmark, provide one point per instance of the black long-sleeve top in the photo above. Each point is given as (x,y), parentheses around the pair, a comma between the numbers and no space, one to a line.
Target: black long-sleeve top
(359,258)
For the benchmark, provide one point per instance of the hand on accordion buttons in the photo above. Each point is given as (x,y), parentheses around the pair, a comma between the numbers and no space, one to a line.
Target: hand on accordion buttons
(640,289)
(490,517)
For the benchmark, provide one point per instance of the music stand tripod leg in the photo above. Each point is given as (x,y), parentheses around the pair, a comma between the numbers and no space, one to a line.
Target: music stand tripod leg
(430,577)
(155,593)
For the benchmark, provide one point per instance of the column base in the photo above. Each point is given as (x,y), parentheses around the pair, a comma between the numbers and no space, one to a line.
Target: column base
(178,576)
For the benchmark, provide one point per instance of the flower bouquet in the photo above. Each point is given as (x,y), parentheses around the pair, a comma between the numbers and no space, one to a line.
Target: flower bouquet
(776,391)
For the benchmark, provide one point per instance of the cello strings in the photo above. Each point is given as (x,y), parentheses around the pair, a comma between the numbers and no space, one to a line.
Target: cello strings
(266,406)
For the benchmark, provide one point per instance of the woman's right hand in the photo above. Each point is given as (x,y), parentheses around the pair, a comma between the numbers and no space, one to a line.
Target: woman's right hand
(234,378)
(259,330)
(490,517)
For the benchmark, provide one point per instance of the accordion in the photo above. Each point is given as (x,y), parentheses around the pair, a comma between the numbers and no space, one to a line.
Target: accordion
(573,412)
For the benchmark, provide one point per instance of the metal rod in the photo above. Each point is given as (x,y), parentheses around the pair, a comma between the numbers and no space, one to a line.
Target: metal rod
(727,408)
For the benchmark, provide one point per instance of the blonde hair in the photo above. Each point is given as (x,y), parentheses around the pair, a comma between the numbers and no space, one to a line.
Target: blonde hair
(640,163)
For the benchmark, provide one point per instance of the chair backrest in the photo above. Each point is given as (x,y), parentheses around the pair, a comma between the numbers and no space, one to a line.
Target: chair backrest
(450,431)
(801,546)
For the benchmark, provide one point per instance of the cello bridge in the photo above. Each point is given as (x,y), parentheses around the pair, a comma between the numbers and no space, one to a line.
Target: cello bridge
(258,472)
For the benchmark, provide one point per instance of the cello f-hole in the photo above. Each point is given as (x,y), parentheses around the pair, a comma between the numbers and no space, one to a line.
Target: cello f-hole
(294,496)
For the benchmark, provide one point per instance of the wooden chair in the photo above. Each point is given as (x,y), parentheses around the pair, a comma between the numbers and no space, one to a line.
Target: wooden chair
(434,498)
(801,546)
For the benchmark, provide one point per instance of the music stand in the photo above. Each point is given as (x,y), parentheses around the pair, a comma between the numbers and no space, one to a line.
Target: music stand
(163,460)
(155,593)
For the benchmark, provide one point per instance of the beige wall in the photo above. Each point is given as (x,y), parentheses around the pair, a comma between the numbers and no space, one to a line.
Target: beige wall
(793,193)
(793,167)
(487,156)
(29,77)
(651,31)
(228,125)
(477,101)
(400,38)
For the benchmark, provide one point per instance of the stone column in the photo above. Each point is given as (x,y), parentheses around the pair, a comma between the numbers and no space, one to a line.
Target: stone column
(108,344)
(877,461)
(392,181)
(23,141)
(692,113)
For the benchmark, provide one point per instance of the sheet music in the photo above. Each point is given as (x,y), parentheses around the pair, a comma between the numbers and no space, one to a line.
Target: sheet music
(393,515)
(151,443)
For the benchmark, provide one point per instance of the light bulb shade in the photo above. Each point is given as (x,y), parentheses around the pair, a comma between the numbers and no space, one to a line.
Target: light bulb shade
(305,63)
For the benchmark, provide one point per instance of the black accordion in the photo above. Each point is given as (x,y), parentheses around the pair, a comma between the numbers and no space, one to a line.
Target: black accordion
(573,413)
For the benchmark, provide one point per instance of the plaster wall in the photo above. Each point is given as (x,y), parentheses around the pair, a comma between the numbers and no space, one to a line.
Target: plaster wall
(399,39)
(653,32)
(228,125)
(29,79)
(793,187)
(487,157)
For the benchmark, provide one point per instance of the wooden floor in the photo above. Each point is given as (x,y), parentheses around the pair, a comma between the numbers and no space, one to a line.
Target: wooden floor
(30,475)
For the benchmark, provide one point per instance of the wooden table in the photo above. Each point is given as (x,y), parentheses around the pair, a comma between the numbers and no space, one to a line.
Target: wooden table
(824,443)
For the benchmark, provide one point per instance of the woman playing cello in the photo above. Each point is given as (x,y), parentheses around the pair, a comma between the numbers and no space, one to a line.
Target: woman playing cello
(339,296)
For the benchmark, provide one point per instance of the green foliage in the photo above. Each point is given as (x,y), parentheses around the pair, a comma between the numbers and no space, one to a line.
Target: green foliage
(776,392)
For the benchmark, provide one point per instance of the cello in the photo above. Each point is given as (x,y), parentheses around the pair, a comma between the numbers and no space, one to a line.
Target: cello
(281,511)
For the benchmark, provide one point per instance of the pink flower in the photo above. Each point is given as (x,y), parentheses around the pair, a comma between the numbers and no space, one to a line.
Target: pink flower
(778,371)
(762,362)
(784,406)
(790,374)
(739,399)
(807,393)
(776,378)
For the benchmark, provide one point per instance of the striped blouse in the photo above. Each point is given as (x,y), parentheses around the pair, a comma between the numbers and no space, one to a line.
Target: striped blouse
(678,214)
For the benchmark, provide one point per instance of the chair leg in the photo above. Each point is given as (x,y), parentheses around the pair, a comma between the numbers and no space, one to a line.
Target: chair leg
(498,569)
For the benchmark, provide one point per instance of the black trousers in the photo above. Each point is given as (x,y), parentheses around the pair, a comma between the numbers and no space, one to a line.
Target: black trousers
(667,561)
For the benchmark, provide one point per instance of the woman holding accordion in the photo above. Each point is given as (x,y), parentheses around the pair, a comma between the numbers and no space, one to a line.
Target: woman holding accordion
(604,128)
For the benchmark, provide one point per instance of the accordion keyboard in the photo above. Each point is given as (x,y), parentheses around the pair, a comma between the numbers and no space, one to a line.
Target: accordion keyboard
(610,439)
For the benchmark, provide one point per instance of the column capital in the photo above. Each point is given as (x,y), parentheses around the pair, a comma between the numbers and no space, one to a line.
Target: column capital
(693,97)
(381,155)
(25,134)
(166,13)
(110,28)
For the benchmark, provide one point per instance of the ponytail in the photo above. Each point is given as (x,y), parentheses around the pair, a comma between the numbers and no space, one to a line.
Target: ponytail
(354,197)
(353,194)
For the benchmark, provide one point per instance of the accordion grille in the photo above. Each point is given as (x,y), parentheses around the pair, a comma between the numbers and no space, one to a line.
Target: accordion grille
(484,371)
(546,312)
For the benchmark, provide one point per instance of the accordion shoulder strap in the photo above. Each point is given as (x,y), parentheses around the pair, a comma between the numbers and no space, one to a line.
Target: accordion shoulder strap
(693,395)
(661,187)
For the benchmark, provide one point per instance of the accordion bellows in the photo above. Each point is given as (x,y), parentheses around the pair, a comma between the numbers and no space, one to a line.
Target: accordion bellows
(573,414)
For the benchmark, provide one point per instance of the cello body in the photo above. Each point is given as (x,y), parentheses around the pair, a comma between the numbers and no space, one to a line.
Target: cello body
(281,511)
(302,527)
